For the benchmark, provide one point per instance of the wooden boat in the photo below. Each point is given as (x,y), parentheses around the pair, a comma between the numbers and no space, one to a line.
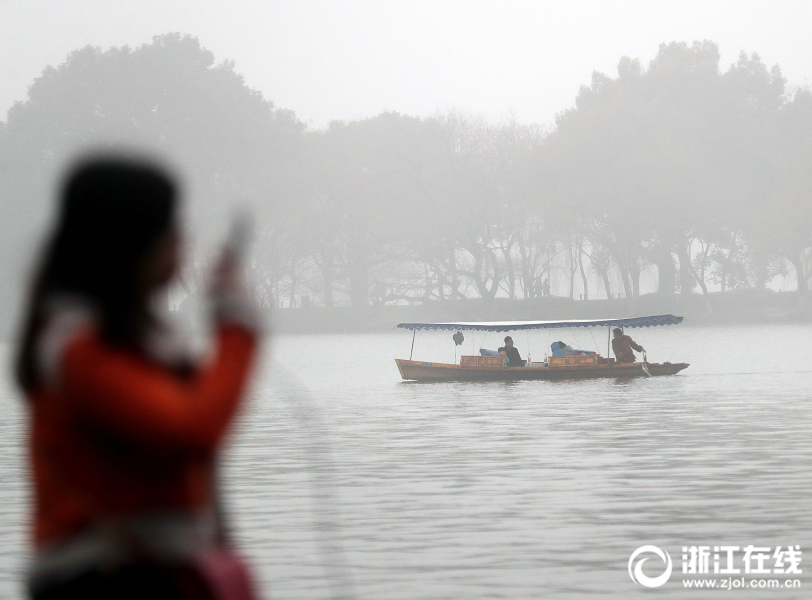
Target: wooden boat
(492,368)
(430,371)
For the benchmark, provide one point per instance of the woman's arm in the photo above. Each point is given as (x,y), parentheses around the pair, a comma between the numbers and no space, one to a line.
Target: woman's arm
(148,404)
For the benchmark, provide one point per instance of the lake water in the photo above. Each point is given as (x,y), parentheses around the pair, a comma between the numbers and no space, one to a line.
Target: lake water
(342,480)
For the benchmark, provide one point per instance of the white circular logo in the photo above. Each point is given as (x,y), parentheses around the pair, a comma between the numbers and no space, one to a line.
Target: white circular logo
(636,569)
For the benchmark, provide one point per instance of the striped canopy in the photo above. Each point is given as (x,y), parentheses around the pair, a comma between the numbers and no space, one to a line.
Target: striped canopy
(652,321)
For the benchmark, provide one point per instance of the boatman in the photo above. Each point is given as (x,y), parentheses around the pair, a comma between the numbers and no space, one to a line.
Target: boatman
(513,358)
(622,346)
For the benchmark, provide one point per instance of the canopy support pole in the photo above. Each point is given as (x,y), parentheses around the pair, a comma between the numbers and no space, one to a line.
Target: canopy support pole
(608,341)
(414,333)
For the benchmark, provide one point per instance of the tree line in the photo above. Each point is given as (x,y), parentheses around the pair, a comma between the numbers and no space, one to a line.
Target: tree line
(678,177)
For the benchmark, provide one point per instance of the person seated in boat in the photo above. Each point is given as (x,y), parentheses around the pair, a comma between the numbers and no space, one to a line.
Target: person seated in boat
(622,346)
(512,354)
(501,352)
(561,349)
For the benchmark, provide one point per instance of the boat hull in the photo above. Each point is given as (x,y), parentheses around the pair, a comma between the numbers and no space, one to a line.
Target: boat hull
(415,370)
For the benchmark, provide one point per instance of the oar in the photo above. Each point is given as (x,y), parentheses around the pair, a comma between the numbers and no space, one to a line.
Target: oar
(645,365)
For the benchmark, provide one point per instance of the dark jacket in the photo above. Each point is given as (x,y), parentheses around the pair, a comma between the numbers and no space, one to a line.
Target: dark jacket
(513,358)
(622,347)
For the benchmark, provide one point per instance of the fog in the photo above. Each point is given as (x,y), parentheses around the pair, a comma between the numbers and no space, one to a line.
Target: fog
(442,161)
(423,154)
(353,59)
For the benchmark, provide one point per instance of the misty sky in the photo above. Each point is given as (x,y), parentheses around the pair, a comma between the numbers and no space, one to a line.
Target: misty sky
(353,59)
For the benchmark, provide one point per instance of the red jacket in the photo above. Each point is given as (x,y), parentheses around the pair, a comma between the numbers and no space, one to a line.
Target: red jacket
(122,434)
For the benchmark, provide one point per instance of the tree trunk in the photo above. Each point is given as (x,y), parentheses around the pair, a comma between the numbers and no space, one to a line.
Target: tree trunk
(511,275)
(699,275)
(800,273)
(452,274)
(528,281)
(723,274)
(484,258)
(686,277)
(441,278)
(293,282)
(581,268)
(634,270)
(497,276)
(625,278)
(327,279)
(604,273)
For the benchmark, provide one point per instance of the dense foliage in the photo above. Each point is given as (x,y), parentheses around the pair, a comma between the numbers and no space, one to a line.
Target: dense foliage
(676,177)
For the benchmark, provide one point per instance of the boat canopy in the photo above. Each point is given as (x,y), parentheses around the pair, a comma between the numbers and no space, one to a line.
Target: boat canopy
(652,321)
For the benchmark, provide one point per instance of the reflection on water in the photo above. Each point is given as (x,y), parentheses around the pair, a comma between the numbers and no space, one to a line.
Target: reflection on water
(343,478)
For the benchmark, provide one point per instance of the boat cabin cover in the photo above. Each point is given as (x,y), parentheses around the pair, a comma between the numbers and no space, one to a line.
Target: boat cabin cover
(652,321)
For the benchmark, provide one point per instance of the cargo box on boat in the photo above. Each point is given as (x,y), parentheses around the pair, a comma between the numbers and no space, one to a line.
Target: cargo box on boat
(573,361)
(490,362)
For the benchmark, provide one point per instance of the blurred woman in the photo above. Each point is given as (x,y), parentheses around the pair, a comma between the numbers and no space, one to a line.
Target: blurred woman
(124,426)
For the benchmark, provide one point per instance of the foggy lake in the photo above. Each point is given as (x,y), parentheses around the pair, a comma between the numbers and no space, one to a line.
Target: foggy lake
(341,478)
(439,162)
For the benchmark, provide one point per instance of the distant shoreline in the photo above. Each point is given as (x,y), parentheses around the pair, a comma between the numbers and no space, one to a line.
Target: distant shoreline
(735,307)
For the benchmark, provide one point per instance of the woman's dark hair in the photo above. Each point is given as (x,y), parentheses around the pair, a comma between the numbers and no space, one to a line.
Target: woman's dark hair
(112,212)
